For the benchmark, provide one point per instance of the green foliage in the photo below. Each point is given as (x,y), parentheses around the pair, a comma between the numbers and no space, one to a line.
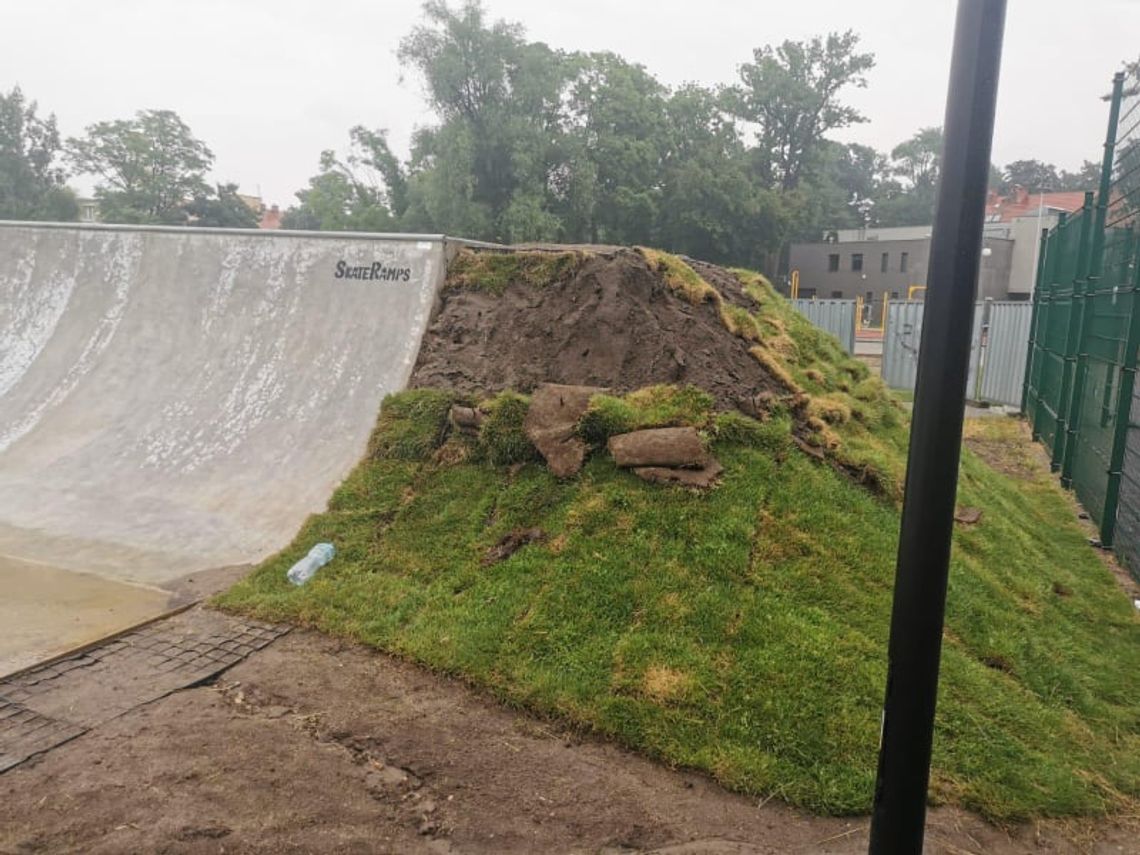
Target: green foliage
(31,180)
(223,209)
(148,167)
(742,631)
(651,407)
(412,424)
(364,192)
(792,93)
(502,440)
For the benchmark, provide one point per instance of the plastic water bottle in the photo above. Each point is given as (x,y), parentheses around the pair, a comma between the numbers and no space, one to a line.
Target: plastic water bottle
(318,557)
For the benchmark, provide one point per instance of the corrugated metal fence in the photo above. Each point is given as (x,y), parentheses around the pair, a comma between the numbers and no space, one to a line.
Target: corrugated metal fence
(997,349)
(834,316)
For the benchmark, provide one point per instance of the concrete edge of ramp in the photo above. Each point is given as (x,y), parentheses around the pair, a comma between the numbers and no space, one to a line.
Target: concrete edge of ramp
(265,233)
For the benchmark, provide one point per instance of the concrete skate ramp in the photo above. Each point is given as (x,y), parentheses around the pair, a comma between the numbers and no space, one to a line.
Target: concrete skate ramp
(179,399)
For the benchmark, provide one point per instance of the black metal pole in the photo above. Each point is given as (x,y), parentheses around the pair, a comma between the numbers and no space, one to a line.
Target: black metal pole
(936,433)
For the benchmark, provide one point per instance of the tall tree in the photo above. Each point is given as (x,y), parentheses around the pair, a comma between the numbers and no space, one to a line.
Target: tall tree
(223,208)
(150,166)
(340,198)
(1033,175)
(619,118)
(708,204)
(792,93)
(31,180)
(499,98)
(365,191)
(1085,178)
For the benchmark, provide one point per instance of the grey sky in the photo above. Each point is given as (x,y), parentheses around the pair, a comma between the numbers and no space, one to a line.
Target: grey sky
(268,84)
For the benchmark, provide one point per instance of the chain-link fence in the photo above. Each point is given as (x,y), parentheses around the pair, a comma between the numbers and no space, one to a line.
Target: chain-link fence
(1085,331)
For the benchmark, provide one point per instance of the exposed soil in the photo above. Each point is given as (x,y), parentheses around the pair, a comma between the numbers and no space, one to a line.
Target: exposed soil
(313,745)
(611,322)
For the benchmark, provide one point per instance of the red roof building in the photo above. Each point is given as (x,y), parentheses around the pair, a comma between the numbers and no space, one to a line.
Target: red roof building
(1021,203)
(270,218)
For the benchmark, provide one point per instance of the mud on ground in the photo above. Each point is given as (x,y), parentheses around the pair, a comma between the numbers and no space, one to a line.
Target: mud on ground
(611,322)
(313,745)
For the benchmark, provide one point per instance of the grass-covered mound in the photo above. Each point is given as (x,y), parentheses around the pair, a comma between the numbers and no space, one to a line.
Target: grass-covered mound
(742,630)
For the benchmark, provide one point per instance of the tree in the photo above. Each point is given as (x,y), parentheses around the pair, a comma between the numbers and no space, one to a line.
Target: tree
(1085,178)
(31,180)
(619,121)
(487,166)
(1033,175)
(150,166)
(907,199)
(223,208)
(339,199)
(708,204)
(792,93)
(918,160)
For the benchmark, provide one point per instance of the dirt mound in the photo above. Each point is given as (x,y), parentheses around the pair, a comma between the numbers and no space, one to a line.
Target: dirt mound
(595,318)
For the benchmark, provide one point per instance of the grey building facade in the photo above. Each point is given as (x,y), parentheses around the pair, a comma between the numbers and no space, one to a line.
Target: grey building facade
(870,268)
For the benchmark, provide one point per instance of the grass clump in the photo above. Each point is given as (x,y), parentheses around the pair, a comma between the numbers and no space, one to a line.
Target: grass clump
(502,440)
(651,407)
(411,425)
(743,631)
(681,278)
(773,435)
(485,270)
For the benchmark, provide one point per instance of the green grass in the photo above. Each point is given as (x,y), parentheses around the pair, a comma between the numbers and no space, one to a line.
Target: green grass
(653,406)
(743,630)
(494,271)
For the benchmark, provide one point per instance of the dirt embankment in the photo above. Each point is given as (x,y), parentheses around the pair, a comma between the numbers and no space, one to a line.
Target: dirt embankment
(608,319)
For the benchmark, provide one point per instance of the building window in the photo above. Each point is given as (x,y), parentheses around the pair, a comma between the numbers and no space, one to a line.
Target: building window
(833,263)
(894,295)
(885,262)
(870,297)
(903,259)
(807,293)
(836,295)
(856,261)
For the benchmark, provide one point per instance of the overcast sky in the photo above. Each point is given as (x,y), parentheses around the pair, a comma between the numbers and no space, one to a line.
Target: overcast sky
(268,84)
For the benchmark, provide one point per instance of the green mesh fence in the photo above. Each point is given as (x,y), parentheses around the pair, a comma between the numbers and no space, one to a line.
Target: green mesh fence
(1079,382)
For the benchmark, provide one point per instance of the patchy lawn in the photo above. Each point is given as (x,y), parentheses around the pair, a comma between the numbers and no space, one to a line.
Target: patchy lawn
(742,631)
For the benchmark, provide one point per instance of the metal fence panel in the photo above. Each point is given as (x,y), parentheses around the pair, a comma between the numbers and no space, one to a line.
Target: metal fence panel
(1003,370)
(901,341)
(834,316)
(1080,390)
(900,344)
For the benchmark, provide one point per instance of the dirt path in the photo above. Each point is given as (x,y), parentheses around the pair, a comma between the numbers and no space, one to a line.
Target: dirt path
(316,746)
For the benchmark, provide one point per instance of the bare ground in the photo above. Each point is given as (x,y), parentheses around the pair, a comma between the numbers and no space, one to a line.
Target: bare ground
(314,745)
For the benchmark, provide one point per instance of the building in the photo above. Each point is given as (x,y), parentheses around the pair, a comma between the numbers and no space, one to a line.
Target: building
(88,209)
(270,218)
(884,265)
(873,261)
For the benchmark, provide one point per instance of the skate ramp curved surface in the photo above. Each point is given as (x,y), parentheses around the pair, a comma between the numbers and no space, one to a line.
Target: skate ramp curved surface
(179,399)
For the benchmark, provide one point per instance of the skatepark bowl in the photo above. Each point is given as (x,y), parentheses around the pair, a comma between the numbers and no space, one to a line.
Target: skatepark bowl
(174,401)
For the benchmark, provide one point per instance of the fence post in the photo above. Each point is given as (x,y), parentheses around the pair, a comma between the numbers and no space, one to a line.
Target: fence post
(1065,433)
(1094,269)
(1123,405)
(1037,279)
(1048,299)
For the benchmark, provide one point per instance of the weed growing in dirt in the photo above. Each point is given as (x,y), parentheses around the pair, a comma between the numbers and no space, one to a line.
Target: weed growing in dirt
(742,631)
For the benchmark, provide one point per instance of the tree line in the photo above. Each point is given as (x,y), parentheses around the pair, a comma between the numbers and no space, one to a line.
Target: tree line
(531,143)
